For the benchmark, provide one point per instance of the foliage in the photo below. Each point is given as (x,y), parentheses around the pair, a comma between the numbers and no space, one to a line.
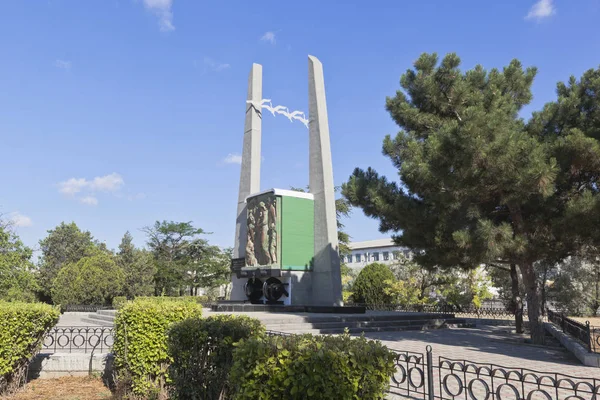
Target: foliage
(95,279)
(118,302)
(177,249)
(211,269)
(418,281)
(138,267)
(21,335)
(311,367)
(369,286)
(17,278)
(347,296)
(478,184)
(576,289)
(467,288)
(202,353)
(65,244)
(140,348)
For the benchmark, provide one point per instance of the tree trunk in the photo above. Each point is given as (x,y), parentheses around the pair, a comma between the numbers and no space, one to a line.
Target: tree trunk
(534,306)
(516,298)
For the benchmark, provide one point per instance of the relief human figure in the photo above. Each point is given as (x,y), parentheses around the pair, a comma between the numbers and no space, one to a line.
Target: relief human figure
(250,256)
(273,230)
(263,234)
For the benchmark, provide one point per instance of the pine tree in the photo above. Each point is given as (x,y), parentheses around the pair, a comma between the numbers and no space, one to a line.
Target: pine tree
(478,184)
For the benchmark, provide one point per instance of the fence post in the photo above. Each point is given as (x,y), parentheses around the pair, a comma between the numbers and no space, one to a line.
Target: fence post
(562,321)
(430,393)
(589,335)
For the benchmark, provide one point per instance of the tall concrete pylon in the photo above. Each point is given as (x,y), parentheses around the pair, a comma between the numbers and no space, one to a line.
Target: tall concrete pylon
(326,279)
(250,170)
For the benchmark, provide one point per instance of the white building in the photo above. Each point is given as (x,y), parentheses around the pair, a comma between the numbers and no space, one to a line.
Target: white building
(384,251)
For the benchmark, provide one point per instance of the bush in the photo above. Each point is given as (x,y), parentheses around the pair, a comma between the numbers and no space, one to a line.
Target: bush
(23,328)
(91,280)
(140,347)
(202,352)
(118,302)
(313,367)
(370,284)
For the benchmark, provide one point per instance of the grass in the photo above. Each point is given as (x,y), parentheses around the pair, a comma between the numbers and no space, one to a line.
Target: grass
(65,388)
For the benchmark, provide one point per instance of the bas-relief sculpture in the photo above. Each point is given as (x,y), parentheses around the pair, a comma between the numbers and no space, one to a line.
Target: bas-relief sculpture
(262,221)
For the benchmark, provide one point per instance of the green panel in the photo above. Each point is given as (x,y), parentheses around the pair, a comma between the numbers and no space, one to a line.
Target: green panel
(297,233)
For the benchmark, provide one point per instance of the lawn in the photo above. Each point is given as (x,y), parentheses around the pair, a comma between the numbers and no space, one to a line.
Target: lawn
(65,388)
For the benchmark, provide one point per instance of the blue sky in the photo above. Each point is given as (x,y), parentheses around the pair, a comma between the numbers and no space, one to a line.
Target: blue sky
(116,113)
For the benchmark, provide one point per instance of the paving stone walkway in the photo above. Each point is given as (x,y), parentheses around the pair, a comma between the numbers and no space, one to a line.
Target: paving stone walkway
(491,345)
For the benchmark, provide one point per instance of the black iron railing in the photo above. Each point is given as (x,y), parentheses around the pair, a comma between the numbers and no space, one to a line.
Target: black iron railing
(583,332)
(418,376)
(80,339)
(83,308)
(463,311)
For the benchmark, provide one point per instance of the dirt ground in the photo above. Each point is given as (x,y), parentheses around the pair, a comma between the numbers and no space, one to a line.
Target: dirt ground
(66,388)
(594,321)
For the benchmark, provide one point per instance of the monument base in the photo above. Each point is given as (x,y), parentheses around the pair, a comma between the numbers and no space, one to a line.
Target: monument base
(243,306)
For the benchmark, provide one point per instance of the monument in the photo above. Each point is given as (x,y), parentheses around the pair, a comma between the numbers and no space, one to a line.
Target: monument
(286,248)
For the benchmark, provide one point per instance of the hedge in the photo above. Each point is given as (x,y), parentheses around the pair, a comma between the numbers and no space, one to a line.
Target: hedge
(311,367)
(202,352)
(370,284)
(140,347)
(118,302)
(22,332)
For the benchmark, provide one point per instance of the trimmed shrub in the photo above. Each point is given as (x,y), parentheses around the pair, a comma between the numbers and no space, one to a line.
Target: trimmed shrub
(370,284)
(22,332)
(311,367)
(140,347)
(118,302)
(202,352)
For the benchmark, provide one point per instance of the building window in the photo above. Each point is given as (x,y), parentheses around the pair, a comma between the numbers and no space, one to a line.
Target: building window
(386,256)
(396,255)
(357,257)
(375,256)
(349,258)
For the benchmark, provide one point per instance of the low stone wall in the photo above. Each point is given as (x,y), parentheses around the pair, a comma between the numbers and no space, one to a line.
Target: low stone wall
(573,346)
(494,322)
(48,366)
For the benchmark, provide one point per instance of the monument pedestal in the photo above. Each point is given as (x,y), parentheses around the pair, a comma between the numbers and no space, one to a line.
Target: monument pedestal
(241,306)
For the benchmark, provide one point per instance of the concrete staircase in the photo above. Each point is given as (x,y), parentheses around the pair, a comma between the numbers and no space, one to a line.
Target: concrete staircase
(101,318)
(371,321)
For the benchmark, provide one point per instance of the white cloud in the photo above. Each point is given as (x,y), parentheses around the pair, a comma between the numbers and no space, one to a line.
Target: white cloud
(72,186)
(63,64)
(107,183)
(162,9)
(233,159)
(211,64)
(268,37)
(540,10)
(20,220)
(89,200)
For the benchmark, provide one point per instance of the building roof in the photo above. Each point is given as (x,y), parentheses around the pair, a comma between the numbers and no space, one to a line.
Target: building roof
(283,192)
(371,244)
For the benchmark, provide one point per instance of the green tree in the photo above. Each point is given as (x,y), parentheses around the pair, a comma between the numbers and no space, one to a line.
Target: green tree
(478,184)
(370,285)
(138,268)
(576,287)
(211,268)
(65,244)
(94,279)
(416,279)
(17,279)
(466,288)
(176,247)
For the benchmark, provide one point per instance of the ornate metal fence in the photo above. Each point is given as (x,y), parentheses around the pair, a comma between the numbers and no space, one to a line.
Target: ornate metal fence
(492,312)
(83,308)
(83,339)
(584,332)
